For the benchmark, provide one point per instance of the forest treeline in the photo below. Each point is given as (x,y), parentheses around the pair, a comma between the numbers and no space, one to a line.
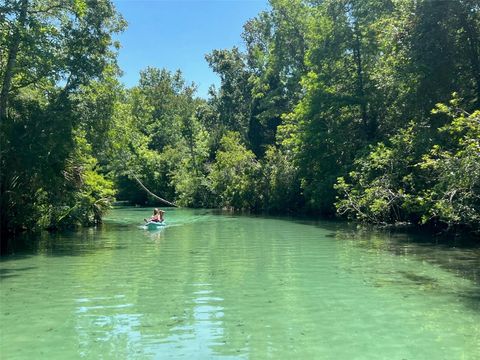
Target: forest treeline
(368,109)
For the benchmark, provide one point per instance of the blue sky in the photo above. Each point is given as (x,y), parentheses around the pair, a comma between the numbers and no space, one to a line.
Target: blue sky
(176,34)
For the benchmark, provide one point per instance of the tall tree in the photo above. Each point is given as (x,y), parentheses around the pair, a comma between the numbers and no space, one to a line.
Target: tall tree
(233,100)
(276,46)
(19,27)
(53,49)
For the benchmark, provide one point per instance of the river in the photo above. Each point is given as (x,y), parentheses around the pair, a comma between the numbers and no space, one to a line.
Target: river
(212,285)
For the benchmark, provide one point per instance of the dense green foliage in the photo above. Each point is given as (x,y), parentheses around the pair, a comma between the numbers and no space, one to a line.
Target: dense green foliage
(57,59)
(364,108)
(404,181)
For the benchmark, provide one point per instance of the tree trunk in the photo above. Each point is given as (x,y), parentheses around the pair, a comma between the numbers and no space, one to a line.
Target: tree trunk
(12,58)
(474,57)
(357,54)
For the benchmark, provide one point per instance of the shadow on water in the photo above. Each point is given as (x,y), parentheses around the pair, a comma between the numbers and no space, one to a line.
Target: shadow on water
(459,255)
(456,253)
(419,279)
(7,273)
(81,242)
(472,298)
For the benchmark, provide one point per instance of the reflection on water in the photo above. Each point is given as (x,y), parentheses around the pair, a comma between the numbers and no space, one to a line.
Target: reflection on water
(209,286)
(458,255)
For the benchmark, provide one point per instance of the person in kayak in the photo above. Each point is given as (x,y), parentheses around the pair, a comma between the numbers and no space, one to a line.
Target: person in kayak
(157,216)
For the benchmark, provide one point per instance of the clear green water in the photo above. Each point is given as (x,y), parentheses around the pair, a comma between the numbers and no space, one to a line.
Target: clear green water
(215,286)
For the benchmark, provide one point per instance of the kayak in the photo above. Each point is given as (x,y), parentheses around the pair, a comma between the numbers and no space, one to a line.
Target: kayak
(154,225)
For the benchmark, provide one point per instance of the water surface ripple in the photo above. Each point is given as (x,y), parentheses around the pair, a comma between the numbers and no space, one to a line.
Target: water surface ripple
(240,287)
